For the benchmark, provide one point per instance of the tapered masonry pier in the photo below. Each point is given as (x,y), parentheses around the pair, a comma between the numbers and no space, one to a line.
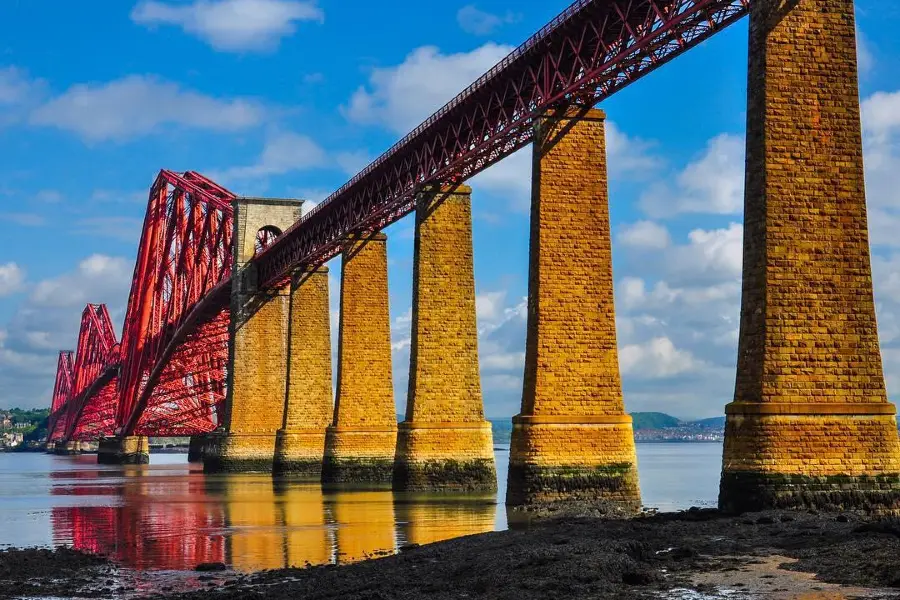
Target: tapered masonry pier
(360,443)
(300,443)
(445,442)
(258,330)
(810,425)
(572,439)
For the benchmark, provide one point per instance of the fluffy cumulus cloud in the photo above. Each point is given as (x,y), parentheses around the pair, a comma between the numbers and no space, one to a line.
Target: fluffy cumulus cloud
(12,278)
(47,320)
(402,96)
(138,105)
(881,140)
(18,92)
(284,152)
(231,25)
(713,183)
(478,22)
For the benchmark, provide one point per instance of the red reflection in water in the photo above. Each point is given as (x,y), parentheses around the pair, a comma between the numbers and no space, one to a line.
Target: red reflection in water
(144,532)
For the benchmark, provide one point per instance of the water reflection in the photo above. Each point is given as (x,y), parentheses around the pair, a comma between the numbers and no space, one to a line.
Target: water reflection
(174,517)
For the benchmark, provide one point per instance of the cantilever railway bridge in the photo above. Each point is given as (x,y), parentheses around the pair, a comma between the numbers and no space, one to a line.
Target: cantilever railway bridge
(167,375)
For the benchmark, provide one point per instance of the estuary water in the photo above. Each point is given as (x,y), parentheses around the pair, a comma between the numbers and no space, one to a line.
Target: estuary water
(169,516)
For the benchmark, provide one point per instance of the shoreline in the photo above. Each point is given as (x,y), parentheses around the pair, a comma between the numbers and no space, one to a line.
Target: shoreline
(699,553)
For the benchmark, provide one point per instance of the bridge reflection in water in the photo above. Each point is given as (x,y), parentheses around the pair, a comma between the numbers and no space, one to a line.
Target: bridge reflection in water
(173,517)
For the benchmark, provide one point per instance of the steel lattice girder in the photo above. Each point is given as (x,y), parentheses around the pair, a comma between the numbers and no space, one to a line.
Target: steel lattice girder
(185,254)
(590,51)
(97,349)
(62,393)
(182,278)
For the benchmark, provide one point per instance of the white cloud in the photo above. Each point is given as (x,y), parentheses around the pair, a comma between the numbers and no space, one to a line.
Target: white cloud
(478,22)
(403,96)
(48,321)
(714,183)
(96,276)
(864,56)
(125,229)
(23,219)
(644,234)
(12,278)
(284,152)
(139,105)
(881,113)
(15,86)
(231,25)
(715,253)
(657,358)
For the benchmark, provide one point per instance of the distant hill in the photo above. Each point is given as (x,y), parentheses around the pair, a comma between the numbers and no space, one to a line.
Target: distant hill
(653,420)
(712,423)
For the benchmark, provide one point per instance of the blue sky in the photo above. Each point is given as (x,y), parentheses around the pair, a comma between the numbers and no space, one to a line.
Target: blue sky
(291,98)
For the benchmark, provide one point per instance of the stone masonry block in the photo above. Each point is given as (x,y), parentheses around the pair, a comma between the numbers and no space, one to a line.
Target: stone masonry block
(810,406)
(360,444)
(300,443)
(445,441)
(572,438)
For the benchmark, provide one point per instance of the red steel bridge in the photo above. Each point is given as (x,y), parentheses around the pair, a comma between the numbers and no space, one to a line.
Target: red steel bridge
(167,374)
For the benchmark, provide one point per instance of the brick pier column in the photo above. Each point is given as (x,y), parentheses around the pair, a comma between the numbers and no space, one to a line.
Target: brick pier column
(258,329)
(445,441)
(810,425)
(572,439)
(360,444)
(300,443)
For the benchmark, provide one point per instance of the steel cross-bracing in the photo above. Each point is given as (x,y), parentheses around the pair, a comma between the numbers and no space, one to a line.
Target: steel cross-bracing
(168,375)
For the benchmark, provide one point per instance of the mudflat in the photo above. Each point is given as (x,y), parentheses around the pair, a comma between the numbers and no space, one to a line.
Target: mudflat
(691,554)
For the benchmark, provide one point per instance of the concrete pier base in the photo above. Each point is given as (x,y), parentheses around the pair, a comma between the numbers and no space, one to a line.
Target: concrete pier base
(131,450)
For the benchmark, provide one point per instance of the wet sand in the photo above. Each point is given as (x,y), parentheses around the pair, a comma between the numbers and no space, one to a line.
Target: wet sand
(693,555)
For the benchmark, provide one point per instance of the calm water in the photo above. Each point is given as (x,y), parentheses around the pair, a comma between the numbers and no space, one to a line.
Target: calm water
(170,516)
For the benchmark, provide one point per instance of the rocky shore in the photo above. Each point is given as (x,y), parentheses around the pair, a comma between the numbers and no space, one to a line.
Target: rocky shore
(696,554)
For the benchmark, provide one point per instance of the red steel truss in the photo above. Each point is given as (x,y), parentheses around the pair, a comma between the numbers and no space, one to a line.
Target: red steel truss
(148,384)
(171,371)
(62,393)
(184,254)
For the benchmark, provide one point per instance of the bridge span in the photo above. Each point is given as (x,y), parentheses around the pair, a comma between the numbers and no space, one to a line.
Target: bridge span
(227,333)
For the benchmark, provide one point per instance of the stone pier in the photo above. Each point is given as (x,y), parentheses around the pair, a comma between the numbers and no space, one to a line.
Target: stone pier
(359,446)
(258,331)
(300,443)
(130,450)
(572,439)
(445,442)
(810,425)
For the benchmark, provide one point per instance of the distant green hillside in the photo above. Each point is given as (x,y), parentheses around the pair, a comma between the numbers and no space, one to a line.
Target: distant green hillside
(653,420)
